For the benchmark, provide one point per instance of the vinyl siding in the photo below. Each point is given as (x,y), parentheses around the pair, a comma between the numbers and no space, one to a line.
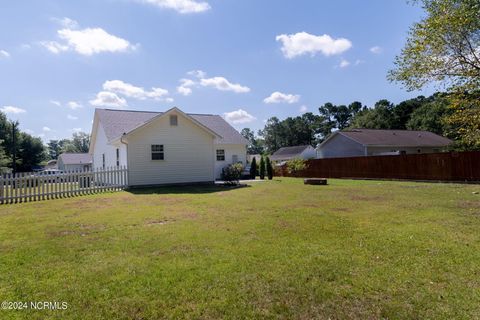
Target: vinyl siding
(188,153)
(101,146)
(230,149)
(339,147)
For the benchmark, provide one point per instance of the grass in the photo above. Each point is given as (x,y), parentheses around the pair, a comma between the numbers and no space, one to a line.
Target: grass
(278,249)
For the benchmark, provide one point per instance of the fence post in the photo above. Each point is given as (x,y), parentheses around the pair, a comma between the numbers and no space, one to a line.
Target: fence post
(1,188)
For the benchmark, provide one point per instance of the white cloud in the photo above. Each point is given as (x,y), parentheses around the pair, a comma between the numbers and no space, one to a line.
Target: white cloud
(301,43)
(278,97)
(12,110)
(66,22)
(169,100)
(76,129)
(70,117)
(185,87)
(108,99)
(93,40)
(223,84)
(87,41)
(197,73)
(31,132)
(239,116)
(181,6)
(303,109)
(55,102)
(46,129)
(54,46)
(4,54)
(376,50)
(344,63)
(74,105)
(131,91)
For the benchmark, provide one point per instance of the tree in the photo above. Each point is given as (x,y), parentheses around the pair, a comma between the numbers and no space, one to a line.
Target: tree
(81,142)
(253,169)
(268,164)
(379,117)
(335,117)
(443,48)
(262,168)
(255,145)
(296,165)
(31,152)
(431,116)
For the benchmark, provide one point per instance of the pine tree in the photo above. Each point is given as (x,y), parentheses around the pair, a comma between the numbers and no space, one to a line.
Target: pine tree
(262,168)
(269,169)
(253,169)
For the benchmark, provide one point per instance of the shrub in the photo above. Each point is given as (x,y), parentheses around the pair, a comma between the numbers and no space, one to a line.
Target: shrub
(262,168)
(269,168)
(253,169)
(296,165)
(231,174)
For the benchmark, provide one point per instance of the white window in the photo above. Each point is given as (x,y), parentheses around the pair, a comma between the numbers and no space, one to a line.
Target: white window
(118,157)
(157,152)
(173,120)
(220,155)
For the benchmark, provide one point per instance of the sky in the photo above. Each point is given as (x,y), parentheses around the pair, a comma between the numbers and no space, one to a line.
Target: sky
(247,60)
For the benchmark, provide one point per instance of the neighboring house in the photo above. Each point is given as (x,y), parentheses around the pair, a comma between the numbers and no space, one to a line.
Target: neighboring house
(169,147)
(287,153)
(371,142)
(74,161)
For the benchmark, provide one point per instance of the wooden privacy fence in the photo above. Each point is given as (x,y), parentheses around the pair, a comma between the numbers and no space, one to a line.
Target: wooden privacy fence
(36,186)
(453,166)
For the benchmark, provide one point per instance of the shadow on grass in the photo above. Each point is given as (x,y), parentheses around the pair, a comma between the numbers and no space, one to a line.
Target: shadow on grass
(194,189)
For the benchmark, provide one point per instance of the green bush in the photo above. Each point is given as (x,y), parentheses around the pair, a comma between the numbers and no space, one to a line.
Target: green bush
(262,168)
(231,174)
(269,168)
(253,169)
(296,165)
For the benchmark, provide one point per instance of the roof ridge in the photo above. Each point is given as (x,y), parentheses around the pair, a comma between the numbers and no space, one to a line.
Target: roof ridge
(147,111)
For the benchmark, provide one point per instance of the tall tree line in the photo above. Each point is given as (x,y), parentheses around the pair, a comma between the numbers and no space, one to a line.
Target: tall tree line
(420,113)
(29,151)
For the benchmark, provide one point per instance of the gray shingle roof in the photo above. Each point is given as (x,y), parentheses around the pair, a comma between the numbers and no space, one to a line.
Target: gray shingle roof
(117,122)
(403,138)
(76,158)
(288,152)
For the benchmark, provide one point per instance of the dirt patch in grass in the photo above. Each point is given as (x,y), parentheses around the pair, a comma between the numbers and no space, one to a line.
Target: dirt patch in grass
(158,222)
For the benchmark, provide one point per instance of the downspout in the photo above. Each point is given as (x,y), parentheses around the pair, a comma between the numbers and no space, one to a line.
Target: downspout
(126,152)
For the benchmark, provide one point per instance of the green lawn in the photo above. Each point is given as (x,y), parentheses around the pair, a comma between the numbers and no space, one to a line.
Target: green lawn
(275,249)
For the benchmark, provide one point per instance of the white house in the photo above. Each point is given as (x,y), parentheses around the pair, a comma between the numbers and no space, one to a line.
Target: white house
(74,161)
(169,147)
(371,142)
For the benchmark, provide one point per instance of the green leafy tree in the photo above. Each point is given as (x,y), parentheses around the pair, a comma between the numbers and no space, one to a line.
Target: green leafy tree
(31,152)
(255,144)
(268,164)
(253,169)
(294,166)
(443,48)
(431,116)
(262,168)
(81,142)
(379,117)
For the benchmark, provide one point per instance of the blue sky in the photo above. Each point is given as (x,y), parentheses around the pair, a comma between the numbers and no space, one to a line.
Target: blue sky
(244,59)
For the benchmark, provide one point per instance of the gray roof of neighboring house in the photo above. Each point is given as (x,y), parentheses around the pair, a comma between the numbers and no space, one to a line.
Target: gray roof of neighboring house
(289,152)
(401,138)
(76,158)
(117,122)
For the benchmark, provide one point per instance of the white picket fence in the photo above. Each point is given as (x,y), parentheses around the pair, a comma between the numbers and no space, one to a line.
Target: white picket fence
(37,186)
